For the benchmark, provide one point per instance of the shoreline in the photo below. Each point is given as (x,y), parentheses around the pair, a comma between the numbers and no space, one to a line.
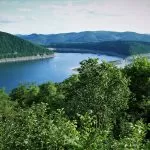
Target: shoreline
(26,58)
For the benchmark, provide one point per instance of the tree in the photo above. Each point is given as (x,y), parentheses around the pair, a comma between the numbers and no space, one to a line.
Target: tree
(134,140)
(50,94)
(101,89)
(139,74)
(34,128)
(6,106)
(25,95)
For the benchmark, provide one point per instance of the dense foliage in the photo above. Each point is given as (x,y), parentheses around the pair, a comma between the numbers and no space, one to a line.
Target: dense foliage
(121,48)
(84,37)
(100,108)
(12,46)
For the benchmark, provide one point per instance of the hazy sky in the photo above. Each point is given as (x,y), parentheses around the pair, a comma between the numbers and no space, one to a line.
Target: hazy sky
(58,16)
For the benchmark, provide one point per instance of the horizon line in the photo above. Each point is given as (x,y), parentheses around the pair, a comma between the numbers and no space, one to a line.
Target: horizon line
(125,31)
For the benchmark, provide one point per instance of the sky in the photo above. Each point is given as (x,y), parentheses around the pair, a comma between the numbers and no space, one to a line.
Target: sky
(61,16)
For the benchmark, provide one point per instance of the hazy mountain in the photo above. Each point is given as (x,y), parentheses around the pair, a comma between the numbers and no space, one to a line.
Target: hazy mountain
(13,46)
(87,36)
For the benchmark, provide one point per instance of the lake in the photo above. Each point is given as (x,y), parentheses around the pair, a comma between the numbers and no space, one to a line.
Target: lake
(39,71)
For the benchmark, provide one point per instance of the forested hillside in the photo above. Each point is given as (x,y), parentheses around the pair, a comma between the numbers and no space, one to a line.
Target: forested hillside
(122,48)
(12,46)
(86,36)
(100,108)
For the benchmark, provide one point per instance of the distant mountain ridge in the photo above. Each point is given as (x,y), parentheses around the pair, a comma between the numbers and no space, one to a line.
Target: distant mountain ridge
(12,47)
(86,36)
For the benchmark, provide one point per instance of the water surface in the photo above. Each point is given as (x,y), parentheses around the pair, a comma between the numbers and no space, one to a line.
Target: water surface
(39,71)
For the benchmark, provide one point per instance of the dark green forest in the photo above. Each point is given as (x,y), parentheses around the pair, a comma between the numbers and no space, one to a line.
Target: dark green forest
(121,48)
(100,108)
(12,46)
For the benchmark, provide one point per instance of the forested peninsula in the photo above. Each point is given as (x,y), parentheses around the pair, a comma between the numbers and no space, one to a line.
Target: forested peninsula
(13,48)
(116,48)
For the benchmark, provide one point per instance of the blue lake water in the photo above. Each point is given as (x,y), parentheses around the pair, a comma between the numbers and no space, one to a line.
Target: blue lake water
(39,71)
